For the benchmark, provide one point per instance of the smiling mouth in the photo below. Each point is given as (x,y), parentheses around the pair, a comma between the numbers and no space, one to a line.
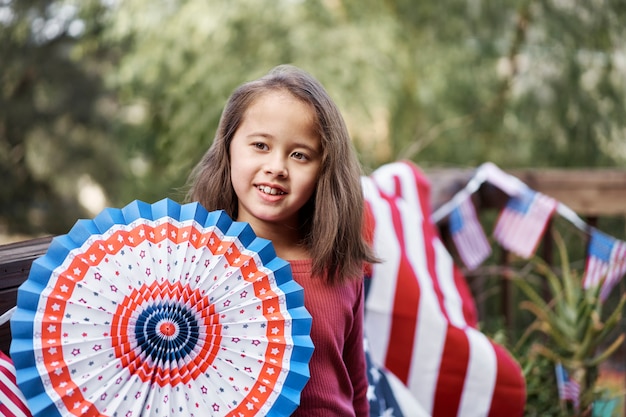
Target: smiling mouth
(269,190)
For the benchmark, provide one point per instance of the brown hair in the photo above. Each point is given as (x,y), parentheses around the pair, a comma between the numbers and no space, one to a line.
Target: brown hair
(332,220)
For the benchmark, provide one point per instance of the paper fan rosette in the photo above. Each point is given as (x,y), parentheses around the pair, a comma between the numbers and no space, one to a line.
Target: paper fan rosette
(161,309)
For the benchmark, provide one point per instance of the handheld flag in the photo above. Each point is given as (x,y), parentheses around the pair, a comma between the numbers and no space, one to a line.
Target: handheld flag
(12,401)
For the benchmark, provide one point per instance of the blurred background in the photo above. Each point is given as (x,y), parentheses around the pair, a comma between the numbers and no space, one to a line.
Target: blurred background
(104,101)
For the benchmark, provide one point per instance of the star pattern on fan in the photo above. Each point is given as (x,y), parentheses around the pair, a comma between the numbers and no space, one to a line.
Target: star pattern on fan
(135,316)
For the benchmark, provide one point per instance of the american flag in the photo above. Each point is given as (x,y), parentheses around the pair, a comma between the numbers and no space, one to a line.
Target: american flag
(387,396)
(468,234)
(523,221)
(606,262)
(419,312)
(569,389)
(12,401)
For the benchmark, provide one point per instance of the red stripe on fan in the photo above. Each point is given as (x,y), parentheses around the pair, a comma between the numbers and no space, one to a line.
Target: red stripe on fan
(452,371)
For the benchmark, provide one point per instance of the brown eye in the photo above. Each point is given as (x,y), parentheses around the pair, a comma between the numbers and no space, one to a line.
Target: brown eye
(299,155)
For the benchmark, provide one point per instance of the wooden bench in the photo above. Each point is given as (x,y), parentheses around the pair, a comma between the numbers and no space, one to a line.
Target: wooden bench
(15,262)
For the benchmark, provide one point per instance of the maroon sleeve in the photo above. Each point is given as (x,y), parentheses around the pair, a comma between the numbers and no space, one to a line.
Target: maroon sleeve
(354,356)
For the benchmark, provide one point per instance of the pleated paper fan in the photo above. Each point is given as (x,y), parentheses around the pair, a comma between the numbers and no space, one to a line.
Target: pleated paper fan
(161,309)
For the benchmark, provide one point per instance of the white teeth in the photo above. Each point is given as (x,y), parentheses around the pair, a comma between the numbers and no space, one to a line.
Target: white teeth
(269,190)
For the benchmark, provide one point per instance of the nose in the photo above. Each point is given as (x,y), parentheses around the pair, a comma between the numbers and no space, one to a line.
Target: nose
(277,167)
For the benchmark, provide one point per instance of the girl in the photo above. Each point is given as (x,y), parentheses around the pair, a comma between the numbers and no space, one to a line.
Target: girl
(282,160)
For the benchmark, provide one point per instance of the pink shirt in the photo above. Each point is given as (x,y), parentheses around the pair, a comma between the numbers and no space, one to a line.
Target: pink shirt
(338,383)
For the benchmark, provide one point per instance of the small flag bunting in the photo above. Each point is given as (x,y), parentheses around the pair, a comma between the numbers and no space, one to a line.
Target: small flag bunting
(468,234)
(606,262)
(569,389)
(522,223)
(508,183)
(523,220)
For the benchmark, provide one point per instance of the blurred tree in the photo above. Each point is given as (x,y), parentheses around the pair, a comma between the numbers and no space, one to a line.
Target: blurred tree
(576,109)
(440,83)
(56,158)
(187,57)
(519,83)
(124,97)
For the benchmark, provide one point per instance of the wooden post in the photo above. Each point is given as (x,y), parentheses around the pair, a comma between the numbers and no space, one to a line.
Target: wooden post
(506,308)
(547,255)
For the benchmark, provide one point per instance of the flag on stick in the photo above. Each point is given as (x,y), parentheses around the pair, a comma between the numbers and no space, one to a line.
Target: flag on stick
(606,262)
(12,401)
(523,220)
(468,234)
(569,389)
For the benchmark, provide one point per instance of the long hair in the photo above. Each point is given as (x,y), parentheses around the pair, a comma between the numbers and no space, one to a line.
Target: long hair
(331,222)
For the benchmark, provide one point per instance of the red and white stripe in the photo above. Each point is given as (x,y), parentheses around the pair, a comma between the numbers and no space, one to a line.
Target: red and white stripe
(420,316)
(12,401)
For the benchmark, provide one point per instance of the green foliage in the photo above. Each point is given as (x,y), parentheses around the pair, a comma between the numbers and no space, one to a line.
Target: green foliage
(541,387)
(185,58)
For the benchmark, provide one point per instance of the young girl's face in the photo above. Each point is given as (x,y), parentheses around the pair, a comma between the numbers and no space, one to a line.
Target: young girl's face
(275,158)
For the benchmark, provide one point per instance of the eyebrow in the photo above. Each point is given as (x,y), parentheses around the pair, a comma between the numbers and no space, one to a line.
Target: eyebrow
(254,134)
(308,147)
